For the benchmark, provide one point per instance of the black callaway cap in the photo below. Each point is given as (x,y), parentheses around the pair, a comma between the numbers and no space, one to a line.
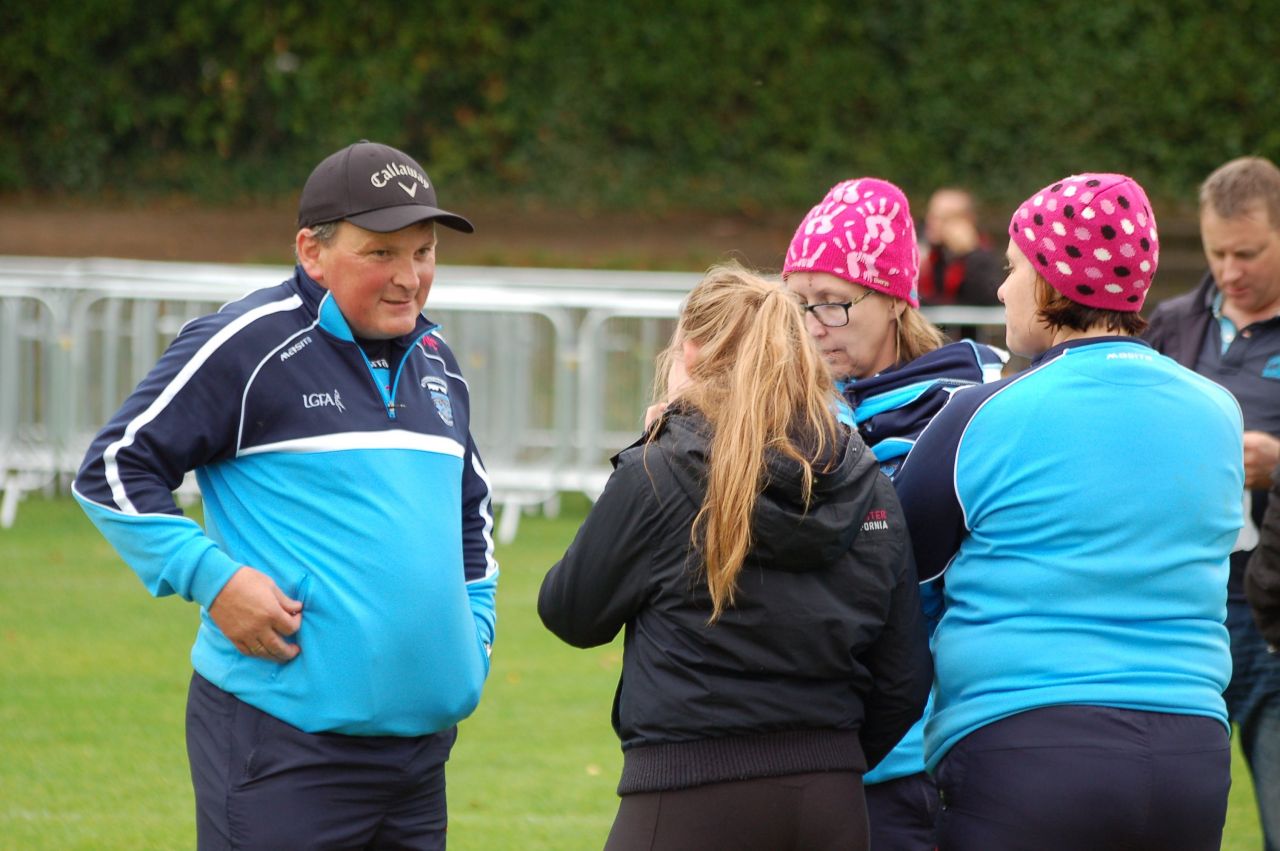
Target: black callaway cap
(375,187)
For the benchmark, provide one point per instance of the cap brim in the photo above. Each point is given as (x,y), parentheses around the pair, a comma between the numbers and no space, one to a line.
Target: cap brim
(390,219)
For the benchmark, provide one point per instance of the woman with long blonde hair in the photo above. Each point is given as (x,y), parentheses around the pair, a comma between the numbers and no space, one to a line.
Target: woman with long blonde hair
(747,542)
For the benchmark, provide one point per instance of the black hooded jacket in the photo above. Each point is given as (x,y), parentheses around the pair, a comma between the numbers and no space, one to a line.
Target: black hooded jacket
(820,664)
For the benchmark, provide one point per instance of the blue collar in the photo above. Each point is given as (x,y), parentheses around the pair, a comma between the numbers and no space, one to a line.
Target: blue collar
(1052,352)
(1227,329)
(332,320)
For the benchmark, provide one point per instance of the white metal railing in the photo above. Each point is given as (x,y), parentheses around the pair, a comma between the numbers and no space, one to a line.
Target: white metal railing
(559,361)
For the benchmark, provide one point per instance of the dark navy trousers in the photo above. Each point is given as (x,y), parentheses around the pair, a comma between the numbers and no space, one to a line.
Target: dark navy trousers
(1253,701)
(263,784)
(1066,778)
(904,813)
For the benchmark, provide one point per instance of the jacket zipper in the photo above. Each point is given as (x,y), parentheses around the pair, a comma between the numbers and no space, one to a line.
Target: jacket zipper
(389,397)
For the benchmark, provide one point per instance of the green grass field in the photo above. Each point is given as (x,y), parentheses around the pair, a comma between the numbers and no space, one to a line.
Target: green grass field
(93,676)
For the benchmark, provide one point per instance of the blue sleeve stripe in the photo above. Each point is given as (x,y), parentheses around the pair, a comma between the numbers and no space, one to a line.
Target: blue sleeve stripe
(893,447)
(897,398)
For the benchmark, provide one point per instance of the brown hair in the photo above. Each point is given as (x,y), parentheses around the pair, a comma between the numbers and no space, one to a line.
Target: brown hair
(916,335)
(1058,311)
(763,388)
(1233,187)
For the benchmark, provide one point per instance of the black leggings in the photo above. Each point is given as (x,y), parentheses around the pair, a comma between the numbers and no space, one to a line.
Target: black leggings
(798,812)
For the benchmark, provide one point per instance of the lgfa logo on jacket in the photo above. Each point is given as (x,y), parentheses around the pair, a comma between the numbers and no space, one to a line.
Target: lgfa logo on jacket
(324,399)
(440,396)
(876,519)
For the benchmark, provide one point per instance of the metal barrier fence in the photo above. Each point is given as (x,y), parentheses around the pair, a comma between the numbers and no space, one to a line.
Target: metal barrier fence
(559,361)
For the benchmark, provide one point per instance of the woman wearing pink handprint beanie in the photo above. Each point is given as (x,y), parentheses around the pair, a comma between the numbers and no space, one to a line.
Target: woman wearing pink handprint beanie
(854,264)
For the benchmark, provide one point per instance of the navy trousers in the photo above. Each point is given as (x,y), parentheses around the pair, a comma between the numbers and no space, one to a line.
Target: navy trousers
(1066,778)
(904,813)
(1253,700)
(263,784)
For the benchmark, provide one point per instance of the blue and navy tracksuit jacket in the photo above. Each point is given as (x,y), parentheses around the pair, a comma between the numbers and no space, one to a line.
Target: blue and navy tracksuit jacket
(365,500)
(890,409)
(1083,512)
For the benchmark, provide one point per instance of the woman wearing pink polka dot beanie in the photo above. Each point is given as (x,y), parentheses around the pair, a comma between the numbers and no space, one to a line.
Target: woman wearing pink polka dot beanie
(1093,238)
(1080,515)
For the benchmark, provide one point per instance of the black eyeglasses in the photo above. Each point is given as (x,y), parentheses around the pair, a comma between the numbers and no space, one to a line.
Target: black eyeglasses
(834,314)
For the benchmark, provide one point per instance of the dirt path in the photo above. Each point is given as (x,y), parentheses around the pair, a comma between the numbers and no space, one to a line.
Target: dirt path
(505,236)
(176,230)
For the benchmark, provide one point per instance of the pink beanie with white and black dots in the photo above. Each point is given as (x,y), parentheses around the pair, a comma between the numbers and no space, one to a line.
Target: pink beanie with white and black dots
(1093,238)
(862,232)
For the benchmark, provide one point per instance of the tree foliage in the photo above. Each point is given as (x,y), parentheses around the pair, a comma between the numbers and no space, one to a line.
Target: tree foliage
(712,104)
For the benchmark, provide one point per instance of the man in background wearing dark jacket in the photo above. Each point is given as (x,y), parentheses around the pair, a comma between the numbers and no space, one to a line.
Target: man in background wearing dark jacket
(1262,576)
(1228,329)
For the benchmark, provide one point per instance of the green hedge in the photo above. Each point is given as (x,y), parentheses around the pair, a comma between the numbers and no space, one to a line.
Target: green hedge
(704,104)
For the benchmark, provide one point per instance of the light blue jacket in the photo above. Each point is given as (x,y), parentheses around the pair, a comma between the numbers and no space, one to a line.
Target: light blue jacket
(1080,514)
(363,498)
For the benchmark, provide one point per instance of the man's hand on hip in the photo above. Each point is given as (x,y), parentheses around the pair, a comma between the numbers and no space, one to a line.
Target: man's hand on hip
(256,615)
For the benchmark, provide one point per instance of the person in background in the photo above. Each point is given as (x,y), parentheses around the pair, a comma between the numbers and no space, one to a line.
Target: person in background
(774,649)
(854,264)
(1081,656)
(1228,329)
(345,573)
(959,266)
(1262,574)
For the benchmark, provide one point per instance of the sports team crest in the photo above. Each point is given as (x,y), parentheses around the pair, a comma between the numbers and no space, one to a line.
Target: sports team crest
(440,396)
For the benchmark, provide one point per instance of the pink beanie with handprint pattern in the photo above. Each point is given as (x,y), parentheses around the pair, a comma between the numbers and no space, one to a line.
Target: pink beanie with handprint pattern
(861,232)
(1093,238)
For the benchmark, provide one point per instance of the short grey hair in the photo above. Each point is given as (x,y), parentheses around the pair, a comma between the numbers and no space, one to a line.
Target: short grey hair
(1234,187)
(323,233)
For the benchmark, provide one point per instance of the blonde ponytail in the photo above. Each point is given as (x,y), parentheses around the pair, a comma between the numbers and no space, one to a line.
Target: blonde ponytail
(761,384)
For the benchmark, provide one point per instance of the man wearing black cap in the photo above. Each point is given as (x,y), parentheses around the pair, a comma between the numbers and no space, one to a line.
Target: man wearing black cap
(345,572)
